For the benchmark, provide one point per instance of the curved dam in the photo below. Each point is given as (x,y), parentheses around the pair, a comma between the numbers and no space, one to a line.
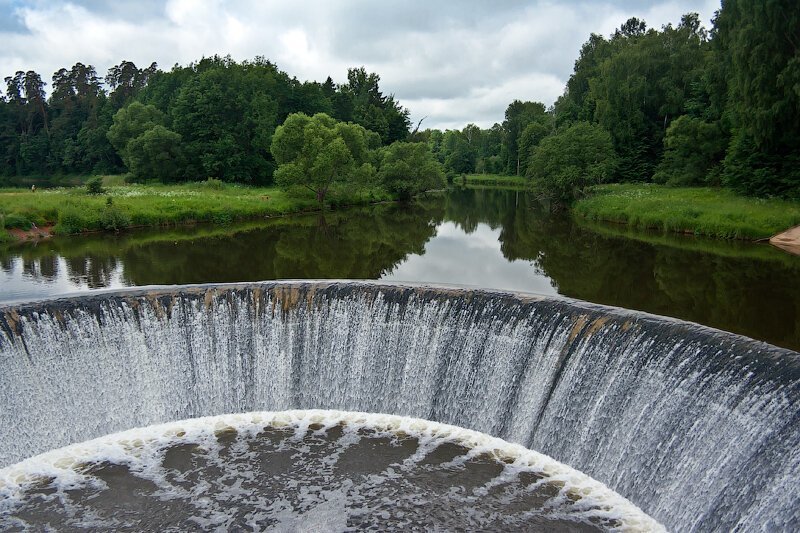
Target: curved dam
(697,427)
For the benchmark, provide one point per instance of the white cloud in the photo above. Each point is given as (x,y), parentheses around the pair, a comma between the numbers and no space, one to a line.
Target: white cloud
(456,64)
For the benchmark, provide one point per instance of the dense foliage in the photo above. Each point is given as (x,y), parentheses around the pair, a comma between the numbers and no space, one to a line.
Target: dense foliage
(682,106)
(318,153)
(213,118)
(565,163)
(407,168)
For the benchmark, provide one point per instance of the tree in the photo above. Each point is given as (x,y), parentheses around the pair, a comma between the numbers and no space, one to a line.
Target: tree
(643,85)
(79,122)
(565,163)
(459,156)
(363,102)
(126,80)
(530,138)
(35,100)
(226,113)
(489,153)
(27,115)
(409,168)
(318,153)
(156,154)
(762,43)
(518,116)
(693,151)
(131,122)
(577,103)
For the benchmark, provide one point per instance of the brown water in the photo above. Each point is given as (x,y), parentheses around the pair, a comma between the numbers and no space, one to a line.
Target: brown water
(316,478)
(487,238)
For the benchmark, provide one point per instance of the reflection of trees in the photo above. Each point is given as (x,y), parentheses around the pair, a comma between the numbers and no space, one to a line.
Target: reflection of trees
(356,243)
(752,296)
(40,268)
(96,270)
(714,283)
(350,244)
(748,296)
(48,267)
(363,246)
(469,207)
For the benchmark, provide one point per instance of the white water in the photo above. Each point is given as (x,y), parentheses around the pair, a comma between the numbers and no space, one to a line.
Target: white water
(142,451)
(698,428)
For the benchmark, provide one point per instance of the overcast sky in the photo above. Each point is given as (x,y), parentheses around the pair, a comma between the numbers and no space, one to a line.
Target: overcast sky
(456,62)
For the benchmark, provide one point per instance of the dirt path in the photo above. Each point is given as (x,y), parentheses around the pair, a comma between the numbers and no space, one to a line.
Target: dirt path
(788,240)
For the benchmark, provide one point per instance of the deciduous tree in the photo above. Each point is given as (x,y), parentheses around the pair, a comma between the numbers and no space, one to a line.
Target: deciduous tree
(318,153)
(565,163)
(409,168)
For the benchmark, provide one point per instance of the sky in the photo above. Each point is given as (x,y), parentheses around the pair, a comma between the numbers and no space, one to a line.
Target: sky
(452,62)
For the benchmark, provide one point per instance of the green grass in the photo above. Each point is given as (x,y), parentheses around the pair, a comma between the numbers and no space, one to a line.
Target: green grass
(701,211)
(491,179)
(73,210)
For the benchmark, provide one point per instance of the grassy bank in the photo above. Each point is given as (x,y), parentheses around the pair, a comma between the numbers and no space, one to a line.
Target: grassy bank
(491,179)
(700,211)
(73,210)
(720,248)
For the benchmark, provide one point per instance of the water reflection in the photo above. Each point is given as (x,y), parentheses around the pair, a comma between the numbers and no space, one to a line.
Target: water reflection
(451,258)
(487,238)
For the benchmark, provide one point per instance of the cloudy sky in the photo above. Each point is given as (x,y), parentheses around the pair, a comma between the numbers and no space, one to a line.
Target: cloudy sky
(456,62)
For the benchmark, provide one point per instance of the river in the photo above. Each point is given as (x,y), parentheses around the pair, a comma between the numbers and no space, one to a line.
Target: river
(490,238)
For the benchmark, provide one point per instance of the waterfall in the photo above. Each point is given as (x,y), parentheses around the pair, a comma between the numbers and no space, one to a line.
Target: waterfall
(699,428)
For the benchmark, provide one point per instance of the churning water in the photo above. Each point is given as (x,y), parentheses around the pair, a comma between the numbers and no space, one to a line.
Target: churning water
(308,471)
(697,427)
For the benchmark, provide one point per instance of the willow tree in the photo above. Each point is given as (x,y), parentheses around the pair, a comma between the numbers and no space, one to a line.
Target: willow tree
(318,153)
(410,168)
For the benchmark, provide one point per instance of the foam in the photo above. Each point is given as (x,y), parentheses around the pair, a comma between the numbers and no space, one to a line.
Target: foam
(139,449)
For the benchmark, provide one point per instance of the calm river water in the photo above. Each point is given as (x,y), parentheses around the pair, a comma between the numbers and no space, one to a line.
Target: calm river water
(484,238)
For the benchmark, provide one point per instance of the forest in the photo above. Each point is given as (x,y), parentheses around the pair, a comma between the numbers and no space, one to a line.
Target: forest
(681,105)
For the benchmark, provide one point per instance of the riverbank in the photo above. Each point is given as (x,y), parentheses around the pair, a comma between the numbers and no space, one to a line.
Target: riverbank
(698,210)
(491,179)
(73,210)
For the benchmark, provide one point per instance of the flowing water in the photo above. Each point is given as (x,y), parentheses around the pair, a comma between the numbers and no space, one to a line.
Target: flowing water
(484,238)
(697,427)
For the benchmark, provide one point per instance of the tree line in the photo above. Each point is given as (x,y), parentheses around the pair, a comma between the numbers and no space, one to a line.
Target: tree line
(680,106)
(212,118)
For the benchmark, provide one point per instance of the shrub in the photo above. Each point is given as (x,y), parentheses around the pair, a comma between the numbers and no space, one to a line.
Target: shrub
(213,183)
(16,220)
(114,218)
(95,185)
(71,220)
(156,154)
(693,150)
